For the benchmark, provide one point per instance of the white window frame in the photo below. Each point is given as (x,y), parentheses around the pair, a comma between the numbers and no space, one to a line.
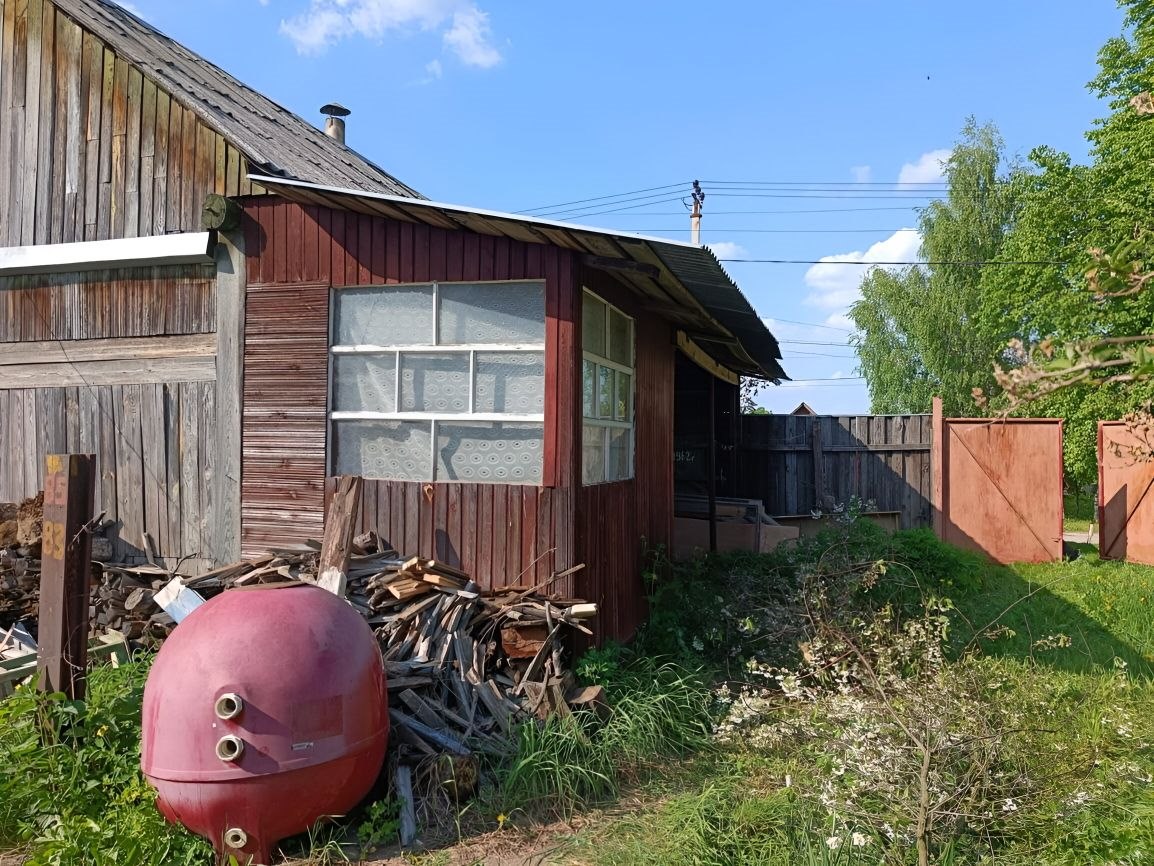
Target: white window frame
(607,425)
(432,347)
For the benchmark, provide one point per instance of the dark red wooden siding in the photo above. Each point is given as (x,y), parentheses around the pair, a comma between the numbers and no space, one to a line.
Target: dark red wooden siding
(502,534)
(617,522)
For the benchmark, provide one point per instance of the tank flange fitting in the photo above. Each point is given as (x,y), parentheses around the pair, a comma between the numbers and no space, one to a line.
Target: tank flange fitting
(235,838)
(230,748)
(229,706)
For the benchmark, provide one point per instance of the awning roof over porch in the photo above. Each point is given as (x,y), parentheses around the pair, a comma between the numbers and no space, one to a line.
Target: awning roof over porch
(681,282)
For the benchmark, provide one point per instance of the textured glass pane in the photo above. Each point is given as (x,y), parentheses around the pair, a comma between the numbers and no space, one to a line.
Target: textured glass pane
(435,383)
(623,406)
(592,454)
(492,313)
(364,383)
(511,382)
(604,392)
(588,389)
(393,450)
(620,451)
(384,316)
(490,453)
(620,339)
(593,325)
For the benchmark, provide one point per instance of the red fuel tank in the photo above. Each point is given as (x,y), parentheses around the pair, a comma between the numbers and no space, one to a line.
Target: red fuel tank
(264,711)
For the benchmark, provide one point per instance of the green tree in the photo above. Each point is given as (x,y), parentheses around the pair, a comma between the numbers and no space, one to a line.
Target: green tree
(919,329)
(1075,262)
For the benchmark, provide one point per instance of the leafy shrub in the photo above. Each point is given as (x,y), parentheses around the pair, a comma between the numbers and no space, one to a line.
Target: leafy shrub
(71,790)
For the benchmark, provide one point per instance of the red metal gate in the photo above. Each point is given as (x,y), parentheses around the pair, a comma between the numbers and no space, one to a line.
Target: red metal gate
(997,486)
(1125,500)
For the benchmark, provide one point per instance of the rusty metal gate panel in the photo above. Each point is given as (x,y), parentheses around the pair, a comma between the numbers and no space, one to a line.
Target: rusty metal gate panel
(1125,497)
(998,486)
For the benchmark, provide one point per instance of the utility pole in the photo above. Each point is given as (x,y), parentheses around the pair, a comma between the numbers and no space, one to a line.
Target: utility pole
(695,216)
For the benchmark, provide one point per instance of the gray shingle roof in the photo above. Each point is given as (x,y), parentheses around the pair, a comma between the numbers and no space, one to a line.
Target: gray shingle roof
(275,141)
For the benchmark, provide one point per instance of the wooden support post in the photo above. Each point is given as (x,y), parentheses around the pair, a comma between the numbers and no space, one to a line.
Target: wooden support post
(818,466)
(711,464)
(340,527)
(938,467)
(66,573)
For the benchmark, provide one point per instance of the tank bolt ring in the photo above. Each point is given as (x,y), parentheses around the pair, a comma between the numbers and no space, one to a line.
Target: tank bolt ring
(229,706)
(235,838)
(230,748)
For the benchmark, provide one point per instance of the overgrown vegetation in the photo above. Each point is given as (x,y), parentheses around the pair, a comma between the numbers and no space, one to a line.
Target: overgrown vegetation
(895,700)
(71,791)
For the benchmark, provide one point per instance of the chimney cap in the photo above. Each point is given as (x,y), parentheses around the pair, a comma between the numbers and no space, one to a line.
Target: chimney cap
(335,109)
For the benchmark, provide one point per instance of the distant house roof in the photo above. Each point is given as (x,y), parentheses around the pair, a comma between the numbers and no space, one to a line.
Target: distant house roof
(803,409)
(685,283)
(274,140)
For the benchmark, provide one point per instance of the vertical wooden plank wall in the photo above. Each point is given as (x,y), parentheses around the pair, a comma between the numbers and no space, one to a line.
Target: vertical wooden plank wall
(118,364)
(884,458)
(617,522)
(502,534)
(90,148)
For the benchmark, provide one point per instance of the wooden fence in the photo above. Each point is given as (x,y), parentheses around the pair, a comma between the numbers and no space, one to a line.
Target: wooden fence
(798,463)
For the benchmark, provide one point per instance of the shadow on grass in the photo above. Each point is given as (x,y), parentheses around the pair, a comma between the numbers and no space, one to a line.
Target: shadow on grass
(1076,616)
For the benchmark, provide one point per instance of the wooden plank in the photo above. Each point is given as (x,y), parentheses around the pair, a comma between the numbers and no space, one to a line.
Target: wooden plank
(340,527)
(37,226)
(191,543)
(939,453)
(230,317)
(128,371)
(84,351)
(130,490)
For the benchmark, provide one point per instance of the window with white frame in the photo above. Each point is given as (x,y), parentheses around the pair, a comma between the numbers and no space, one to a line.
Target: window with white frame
(606,392)
(439,382)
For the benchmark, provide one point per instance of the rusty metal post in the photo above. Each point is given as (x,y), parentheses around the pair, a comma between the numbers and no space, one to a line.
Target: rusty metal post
(66,568)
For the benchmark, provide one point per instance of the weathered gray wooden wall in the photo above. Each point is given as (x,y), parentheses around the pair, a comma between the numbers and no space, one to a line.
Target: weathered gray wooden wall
(123,364)
(91,148)
(797,463)
(155,457)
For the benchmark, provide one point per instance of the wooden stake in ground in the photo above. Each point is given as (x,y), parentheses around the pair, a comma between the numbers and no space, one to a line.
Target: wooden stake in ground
(340,526)
(69,486)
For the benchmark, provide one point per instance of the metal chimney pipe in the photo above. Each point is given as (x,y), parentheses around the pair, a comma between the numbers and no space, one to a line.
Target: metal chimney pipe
(335,115)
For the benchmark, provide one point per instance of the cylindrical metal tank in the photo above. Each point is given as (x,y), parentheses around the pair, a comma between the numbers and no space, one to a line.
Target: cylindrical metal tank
(263,712)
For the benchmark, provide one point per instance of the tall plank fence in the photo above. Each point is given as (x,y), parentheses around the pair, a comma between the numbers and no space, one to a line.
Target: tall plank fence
(799,463)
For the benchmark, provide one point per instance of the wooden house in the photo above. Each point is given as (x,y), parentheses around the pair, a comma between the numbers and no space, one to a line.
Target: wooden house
(510,388)
(120,319)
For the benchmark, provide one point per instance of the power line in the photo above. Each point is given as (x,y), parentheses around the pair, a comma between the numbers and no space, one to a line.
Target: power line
(602,197)
(763,212)
(811,343)
(826,183)
(812,324)
(581,213)
(974,264)
(782,231)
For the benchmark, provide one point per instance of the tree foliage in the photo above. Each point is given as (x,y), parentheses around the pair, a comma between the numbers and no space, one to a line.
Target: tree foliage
(1077,324)
(918,328)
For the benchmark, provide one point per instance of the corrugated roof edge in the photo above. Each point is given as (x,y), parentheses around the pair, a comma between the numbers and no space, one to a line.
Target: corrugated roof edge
(753,326)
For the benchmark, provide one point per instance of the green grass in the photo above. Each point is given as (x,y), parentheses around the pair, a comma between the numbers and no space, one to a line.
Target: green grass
(1104,607)
(1080,513)
(1060,654)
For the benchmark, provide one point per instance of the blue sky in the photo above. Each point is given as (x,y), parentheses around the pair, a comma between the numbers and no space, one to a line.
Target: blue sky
(512,105)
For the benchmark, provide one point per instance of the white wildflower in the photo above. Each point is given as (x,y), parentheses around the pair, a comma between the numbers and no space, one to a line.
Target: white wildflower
(833,843)
(1009,805)
(859,840)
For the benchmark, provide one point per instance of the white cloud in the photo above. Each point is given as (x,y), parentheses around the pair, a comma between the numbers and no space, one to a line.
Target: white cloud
(469,38)
(433,67)
(727,250)
(835,285)
(464,27)
(862,173)
(928,169)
